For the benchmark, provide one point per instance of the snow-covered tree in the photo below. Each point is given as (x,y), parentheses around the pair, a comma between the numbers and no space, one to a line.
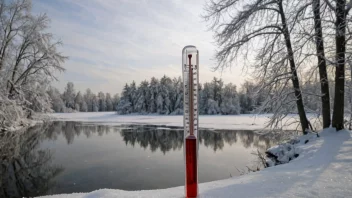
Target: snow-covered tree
(217,90)
(125,105)
(102,101)
(154,90)
(230,103)
(262,29)
(95,103)
(29,60)
(247,97)
(132,95)
(79,102)
(341,20)
(159,104)
(115,101)
(176,96)
(204,95)
(69,96)
(143,96)
(212,107)
(37,97)
(109,102)
(84,107)
(165,89)
(88,98)
(57,104)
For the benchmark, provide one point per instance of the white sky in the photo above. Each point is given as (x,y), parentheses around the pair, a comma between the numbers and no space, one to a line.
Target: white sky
(111,42)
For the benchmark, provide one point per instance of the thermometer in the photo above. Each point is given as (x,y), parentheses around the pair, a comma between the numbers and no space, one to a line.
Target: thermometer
(190,68)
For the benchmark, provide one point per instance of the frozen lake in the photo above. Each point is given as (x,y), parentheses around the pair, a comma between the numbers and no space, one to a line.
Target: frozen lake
(67,157)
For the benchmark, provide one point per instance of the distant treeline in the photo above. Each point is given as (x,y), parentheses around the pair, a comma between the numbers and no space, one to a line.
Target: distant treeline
(159,96)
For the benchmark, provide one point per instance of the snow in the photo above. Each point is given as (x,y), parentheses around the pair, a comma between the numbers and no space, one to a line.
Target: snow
(238,122)
(323,168)
(285,152)
(22,123)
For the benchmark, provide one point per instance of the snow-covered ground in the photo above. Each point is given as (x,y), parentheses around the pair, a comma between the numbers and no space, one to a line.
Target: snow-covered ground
(323,169)
(239,122)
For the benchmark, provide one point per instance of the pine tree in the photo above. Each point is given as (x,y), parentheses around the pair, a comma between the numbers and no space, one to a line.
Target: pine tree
(165,93)
(132,95)
(125,104)
(176,97)
(154,90)
(143,97)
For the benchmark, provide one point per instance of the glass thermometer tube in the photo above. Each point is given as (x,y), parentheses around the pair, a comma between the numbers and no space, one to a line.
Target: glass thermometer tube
(190,82)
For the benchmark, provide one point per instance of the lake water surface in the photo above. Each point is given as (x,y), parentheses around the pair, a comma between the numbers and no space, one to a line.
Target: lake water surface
(67,157)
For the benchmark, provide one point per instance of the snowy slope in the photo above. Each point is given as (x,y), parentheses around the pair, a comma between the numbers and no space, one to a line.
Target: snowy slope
(244,122)
(323,169)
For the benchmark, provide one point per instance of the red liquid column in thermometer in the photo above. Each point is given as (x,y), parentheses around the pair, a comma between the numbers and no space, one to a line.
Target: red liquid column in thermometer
(191,139)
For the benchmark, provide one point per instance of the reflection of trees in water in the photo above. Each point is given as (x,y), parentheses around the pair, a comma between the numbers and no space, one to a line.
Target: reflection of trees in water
(25,169)
(216,139)
(165,139)
(71,129)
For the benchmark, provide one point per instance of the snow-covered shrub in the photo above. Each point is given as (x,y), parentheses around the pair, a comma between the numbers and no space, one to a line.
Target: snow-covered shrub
(281,154)
(285,152)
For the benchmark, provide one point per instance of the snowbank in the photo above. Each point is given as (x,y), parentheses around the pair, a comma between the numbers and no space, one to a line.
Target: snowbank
(323,169)
(287,151)
(239,122)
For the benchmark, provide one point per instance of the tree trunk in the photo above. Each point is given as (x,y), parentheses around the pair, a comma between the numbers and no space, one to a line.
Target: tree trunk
(324,83)
(294,78)
(340,25)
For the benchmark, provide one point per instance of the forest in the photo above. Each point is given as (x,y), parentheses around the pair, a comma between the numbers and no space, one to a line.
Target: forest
(165,96)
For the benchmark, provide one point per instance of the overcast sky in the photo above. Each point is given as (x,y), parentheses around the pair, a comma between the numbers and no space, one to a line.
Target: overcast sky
(111,42)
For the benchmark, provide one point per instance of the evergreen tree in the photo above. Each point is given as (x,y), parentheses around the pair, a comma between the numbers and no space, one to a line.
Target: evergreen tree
(143,97)
(176,96)
(165,92)
(154,90)
(125,104)
(132,95)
